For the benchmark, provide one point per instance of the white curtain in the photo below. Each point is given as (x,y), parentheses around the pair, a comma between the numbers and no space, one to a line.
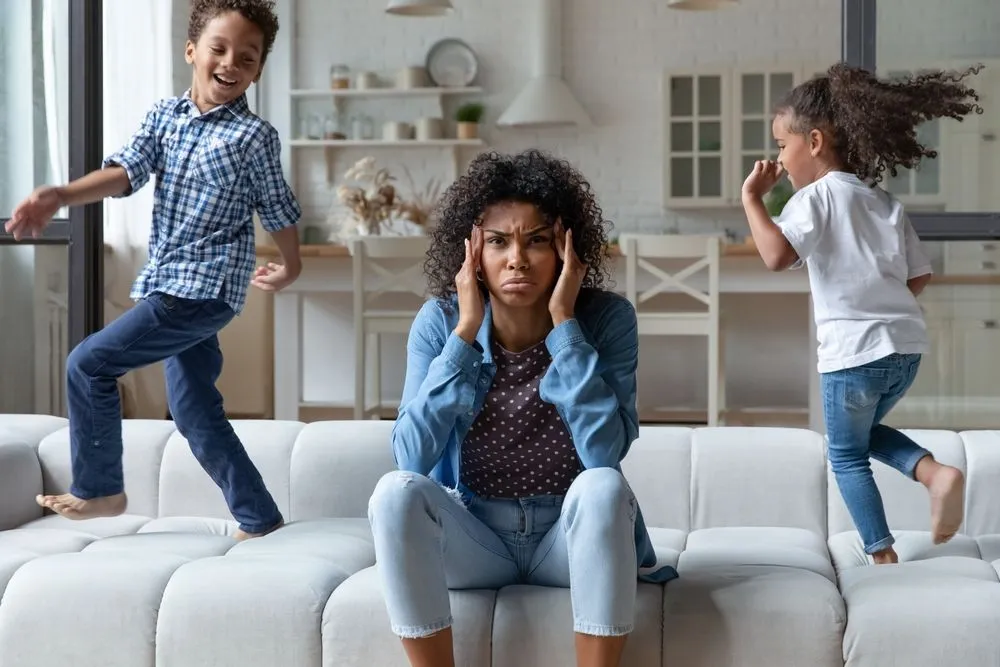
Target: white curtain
(55,61)
(138,71)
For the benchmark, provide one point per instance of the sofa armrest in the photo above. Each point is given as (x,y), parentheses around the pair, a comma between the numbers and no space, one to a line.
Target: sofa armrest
(20,482)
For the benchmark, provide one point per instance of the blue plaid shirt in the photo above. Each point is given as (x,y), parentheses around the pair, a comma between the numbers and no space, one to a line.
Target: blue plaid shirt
(213,170)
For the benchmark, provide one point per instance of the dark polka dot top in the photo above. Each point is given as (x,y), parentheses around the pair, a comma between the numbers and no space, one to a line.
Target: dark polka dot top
(518,446)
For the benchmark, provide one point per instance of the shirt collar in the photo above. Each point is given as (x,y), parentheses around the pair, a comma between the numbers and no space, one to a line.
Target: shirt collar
(238,107)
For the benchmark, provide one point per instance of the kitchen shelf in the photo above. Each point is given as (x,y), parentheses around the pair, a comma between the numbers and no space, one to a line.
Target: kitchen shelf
(385,92)
(380,143)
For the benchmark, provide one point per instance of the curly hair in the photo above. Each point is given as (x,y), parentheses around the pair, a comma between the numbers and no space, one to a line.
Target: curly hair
(259,12)
(553,186)
(873,122)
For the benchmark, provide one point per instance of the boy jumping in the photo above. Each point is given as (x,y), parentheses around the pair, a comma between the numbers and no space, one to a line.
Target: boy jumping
(215,163)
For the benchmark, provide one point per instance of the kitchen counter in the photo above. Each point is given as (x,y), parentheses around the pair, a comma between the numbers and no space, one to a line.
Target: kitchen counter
(729,250)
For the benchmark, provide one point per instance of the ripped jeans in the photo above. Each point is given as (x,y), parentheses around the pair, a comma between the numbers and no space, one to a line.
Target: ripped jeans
(427,542)
(855,401)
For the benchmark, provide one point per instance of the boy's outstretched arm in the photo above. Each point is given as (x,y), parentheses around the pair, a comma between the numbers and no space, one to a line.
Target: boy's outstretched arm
(96,186)
(33,214)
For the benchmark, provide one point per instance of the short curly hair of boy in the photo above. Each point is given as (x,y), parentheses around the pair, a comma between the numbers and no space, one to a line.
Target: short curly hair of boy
(259,12)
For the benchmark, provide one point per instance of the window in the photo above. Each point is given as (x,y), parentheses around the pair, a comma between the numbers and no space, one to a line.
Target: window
(954,201)
(50,131)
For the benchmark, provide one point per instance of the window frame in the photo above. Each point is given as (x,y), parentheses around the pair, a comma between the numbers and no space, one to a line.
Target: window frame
(858,49)
(83,230)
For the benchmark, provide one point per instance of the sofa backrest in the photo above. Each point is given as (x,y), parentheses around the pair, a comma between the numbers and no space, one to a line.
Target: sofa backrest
(684,478)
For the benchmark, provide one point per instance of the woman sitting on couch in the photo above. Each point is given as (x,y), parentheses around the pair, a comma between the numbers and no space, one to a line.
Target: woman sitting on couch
(518,406)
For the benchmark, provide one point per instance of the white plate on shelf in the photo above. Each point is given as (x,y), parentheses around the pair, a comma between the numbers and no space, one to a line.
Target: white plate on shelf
(451,63)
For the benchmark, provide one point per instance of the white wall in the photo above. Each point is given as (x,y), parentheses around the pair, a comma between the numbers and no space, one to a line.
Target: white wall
(614,54)
(614,57)
(921,31)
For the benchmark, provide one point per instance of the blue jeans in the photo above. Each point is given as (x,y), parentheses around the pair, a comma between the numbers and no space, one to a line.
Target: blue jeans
(184,333)
(855,401)
(427,542)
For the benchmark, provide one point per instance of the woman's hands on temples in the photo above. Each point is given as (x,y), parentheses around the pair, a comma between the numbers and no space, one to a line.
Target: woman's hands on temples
(471,306)
(562,304)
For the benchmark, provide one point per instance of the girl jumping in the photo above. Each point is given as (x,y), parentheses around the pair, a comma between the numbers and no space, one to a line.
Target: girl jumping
(837,135)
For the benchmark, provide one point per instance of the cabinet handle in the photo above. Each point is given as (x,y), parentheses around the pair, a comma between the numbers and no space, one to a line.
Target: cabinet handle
(989,246)
(989,324)
(989,265)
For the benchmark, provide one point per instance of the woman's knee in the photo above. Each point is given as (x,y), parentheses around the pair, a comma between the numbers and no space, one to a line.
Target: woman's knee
(601,490)
(396,496)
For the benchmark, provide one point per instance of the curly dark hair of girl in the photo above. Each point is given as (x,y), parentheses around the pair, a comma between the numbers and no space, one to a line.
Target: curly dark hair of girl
(259,12)
(553,186)
(873,122)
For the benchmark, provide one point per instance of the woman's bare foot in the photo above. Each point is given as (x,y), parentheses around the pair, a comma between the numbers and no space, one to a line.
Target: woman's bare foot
(946,486)
(71,507)
(885,557)
(242,535)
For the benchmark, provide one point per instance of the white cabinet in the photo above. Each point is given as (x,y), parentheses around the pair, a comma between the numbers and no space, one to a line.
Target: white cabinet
(717,123)
(957,385)
(925,405)
(974,353)
(698,138)
(972,258)
(757,94)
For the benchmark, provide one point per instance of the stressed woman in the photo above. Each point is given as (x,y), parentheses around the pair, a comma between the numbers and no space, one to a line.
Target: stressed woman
(518,407)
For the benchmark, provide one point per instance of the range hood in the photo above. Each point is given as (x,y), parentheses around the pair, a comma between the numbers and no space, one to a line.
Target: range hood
(546,100)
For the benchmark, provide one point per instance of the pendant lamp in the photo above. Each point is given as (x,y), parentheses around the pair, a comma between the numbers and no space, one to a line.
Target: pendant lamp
(701,4)
(419,7)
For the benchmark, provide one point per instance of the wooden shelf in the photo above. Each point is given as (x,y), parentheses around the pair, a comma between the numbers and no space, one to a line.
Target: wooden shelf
(385,92)
(338,250)
(379,143)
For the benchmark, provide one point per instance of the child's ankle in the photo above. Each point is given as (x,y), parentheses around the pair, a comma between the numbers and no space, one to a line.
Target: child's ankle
(885,557)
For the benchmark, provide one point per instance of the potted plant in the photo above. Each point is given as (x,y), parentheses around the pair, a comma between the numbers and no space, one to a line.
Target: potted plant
(468,117)
(776,199)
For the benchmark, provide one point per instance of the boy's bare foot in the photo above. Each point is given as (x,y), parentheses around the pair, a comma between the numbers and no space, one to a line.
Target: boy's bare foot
(885,557)
(242,535)
(77,509)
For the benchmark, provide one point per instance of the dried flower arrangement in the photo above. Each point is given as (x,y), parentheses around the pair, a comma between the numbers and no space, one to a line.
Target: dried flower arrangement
(369,202)
(418,209)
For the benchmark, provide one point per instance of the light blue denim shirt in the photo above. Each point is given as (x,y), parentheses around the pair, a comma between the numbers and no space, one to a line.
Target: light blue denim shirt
(591,382)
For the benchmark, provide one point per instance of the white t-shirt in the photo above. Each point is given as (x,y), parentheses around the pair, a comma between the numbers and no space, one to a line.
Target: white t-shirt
(860,249)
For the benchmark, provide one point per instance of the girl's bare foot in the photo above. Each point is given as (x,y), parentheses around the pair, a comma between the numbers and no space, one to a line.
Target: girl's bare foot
(77,509)
(241,535)
(885,557)
(947,490)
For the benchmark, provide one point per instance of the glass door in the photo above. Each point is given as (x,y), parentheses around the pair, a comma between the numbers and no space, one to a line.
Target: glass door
(954,201)
(50,132)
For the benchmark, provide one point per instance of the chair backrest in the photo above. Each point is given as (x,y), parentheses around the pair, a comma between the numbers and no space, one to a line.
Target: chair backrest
(385,264)
(704,250)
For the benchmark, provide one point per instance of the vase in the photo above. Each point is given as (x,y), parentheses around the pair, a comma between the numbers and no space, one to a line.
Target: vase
(468,130)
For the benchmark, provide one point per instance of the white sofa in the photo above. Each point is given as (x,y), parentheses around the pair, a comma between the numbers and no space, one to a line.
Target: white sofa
(772,573)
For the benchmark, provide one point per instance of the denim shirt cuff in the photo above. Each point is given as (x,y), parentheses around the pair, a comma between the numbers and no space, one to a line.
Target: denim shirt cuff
(566,334)
(468,358)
